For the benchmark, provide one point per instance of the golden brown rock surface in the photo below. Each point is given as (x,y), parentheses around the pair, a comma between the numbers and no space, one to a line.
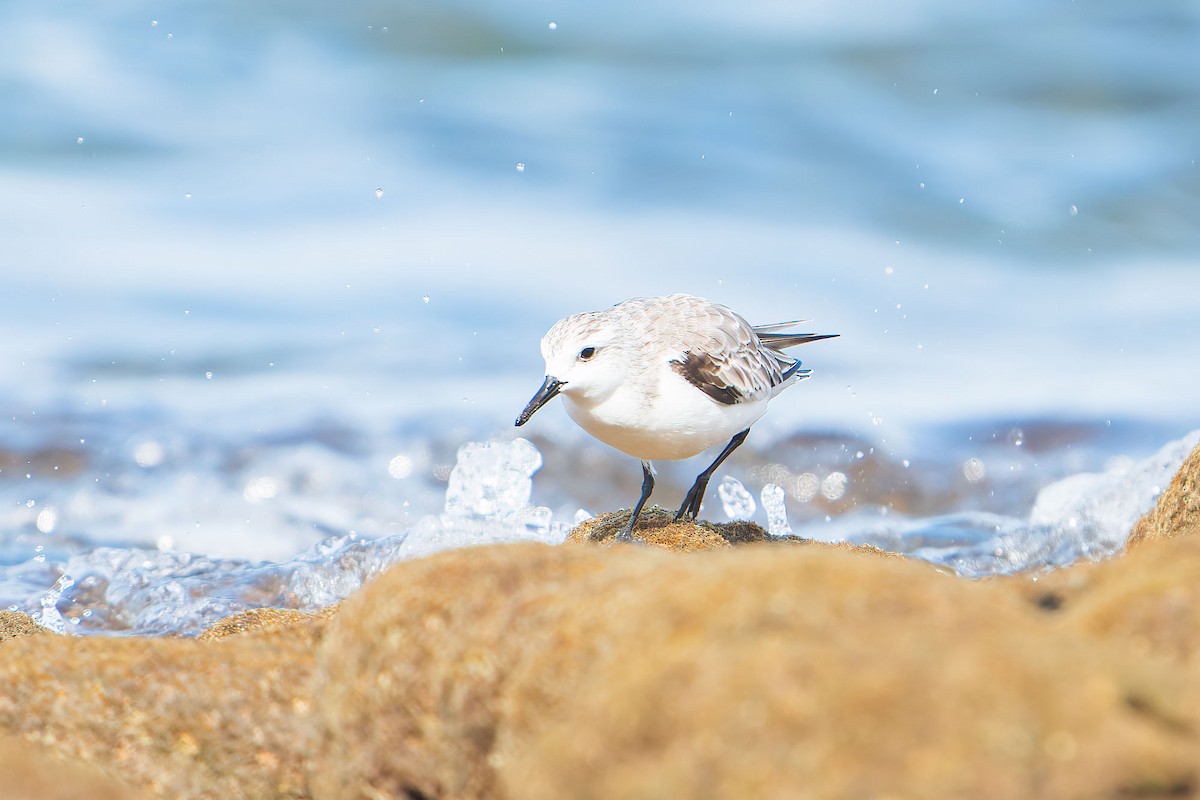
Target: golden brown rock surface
(18,623)
(28,772)
(657,527)
(259,620)
(1177,512)
(531,671)
(176,717)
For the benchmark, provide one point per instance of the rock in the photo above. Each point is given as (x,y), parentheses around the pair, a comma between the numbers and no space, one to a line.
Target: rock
(258,620)
(33,773)
(1177,512)
(18,623)
(536,672)
(1146,602)
(657,527)
(176,717)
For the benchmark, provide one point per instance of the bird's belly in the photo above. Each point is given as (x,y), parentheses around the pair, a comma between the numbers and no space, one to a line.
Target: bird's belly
(678,425)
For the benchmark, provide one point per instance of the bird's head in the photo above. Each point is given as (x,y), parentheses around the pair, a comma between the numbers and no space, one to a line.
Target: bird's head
(584,361)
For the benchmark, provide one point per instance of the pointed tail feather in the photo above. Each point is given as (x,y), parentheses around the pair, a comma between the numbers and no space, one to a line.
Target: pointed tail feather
(778,341)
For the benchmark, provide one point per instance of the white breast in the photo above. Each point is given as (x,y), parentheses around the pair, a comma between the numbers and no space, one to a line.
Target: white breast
(676,422)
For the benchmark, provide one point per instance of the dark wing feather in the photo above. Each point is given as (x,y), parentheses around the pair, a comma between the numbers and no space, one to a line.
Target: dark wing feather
(703,372)
(740,362)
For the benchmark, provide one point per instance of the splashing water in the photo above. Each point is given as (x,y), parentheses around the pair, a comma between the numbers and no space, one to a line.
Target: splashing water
(157,592)
(487,502)
(737,502)
(1083,516)
(773,502)
(49,616)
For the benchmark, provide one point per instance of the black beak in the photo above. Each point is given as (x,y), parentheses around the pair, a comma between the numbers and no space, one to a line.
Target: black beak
(549,388)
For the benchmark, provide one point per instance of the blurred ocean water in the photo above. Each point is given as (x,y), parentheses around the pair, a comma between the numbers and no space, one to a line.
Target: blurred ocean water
(267,268)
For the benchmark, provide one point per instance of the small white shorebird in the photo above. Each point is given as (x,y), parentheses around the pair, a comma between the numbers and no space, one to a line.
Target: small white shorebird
(667,378)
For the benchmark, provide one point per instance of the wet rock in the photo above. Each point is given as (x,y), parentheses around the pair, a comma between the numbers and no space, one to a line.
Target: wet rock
(18,623)
(1177,512)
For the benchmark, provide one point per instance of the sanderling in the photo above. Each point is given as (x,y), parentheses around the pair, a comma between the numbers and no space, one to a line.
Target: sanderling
(667,378)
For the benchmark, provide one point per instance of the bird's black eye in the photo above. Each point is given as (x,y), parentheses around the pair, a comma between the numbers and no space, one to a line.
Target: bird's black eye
(587,354)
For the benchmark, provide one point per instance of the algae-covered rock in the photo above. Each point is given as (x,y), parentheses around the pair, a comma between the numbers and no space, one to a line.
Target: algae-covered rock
(657,527)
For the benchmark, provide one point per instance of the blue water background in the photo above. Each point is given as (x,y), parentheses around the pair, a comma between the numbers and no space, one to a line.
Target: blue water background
(267,266)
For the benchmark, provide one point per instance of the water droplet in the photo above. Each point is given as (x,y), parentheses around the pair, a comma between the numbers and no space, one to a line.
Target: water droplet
(974,470)
(149,454)
(170,36)
(47,520)
(805,487)
(208,375)
(834,485)
(400,466)
(737,502)
(80,141)
(520,166)
(187,196)
(1074,211)
(1016,437)
(153,23)
(921,185)
(379,193)
(553,26)
(262,487)
(425,299)
(773,501)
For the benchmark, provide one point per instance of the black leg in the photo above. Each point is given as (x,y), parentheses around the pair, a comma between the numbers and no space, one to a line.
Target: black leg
(647,487)
(695,495)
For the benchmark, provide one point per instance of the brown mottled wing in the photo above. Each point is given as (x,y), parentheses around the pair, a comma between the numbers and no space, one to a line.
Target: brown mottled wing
(703,372)
(729,364)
